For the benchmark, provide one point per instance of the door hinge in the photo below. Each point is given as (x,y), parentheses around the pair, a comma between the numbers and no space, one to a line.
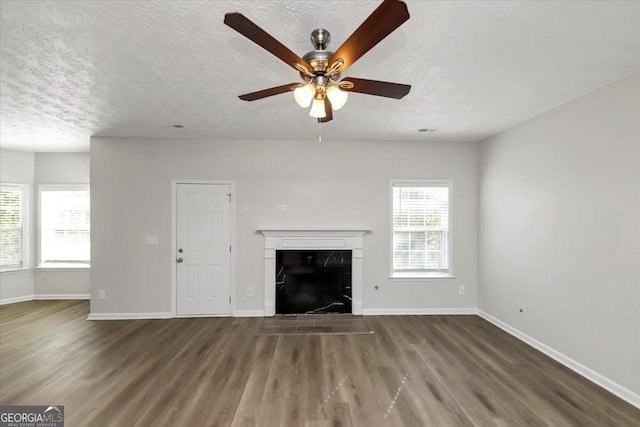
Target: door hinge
(229,299)
(229,194)
(229,248)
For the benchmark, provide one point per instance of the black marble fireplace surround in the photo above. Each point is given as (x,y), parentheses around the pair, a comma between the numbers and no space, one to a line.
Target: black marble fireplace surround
(313,281)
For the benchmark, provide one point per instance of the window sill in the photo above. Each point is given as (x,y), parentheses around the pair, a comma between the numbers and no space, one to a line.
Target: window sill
(63,267)
(420,277)
(15,271)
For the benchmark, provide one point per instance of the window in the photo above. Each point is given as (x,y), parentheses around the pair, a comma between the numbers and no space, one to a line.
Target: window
(64,225)
(12,226)
(421,228)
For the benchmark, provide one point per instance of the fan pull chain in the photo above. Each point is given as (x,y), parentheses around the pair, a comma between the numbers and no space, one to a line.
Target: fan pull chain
(319,131)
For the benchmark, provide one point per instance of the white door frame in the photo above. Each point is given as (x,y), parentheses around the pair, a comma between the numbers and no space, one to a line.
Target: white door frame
(174,247)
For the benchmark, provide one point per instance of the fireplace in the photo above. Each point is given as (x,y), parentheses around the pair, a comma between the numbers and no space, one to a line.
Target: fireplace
(318,244)
(313,281)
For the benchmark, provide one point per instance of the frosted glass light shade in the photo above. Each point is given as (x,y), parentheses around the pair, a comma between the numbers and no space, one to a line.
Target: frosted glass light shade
(304,94)
(337,97)
(317,109)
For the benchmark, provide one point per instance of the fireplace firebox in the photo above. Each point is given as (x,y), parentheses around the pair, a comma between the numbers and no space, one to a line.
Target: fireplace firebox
(313,281)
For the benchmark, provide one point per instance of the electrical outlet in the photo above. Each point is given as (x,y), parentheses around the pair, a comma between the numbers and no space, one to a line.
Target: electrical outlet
(460,290)
(249,291)
(101,294)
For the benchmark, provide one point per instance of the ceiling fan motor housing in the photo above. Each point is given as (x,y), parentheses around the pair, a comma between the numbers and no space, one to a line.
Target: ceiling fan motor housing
(319,58)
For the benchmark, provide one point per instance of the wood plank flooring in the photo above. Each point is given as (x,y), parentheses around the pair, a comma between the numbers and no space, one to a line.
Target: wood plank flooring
(414,371)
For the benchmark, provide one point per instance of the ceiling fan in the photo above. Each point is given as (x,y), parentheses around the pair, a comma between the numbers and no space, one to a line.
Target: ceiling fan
(321,69)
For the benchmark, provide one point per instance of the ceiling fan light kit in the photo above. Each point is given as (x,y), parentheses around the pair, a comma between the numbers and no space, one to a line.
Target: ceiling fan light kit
(337,97)
(304,95)
(317,109)
(322,69)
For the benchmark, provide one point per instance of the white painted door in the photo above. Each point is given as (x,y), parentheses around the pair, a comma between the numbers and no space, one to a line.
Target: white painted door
(203,250)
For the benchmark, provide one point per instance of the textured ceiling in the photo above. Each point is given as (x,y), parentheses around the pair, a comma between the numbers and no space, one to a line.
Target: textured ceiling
(74,69)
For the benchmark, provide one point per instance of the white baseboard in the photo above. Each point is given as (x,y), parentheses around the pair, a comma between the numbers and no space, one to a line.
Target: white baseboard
(43,297)
(417,311)
(16,299)
(128,316)
(199,316)
(60,296)
(615,388)
(166,315)
(248,313)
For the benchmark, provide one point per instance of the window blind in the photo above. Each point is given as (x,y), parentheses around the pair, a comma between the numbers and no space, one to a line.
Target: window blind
(420,228)
(65,225)
(11,226)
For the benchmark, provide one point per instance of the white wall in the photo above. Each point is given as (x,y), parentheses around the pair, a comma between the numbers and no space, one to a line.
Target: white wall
(61,168)
(17,167)
(559,232)
(324,185)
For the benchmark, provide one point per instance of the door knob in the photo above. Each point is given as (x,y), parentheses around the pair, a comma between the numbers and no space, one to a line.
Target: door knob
(179,260)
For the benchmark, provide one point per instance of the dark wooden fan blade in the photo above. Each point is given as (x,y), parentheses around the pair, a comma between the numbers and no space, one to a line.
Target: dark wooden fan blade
(382,22)
(327,109)
(375,87)
(247,28)
(269,92)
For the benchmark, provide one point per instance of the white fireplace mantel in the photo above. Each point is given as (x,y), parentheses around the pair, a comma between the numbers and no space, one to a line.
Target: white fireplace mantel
(302,239)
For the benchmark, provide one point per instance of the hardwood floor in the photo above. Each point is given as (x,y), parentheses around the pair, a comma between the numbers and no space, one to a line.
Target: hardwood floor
(414,371)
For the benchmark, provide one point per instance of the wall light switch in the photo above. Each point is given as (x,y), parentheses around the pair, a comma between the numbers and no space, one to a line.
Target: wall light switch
(101,294)
(151,240)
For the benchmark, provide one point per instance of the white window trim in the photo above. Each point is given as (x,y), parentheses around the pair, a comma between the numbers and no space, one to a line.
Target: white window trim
(422,275)
(25,225)
(42,266)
